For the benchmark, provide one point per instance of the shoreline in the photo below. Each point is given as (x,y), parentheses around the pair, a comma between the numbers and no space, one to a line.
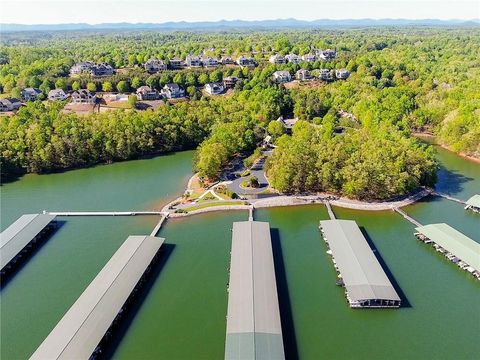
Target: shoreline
(446,147)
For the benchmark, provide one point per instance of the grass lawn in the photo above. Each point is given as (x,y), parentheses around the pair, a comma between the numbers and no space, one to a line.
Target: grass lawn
(220,203)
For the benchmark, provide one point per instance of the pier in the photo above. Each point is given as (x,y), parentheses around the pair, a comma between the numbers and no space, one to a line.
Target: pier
(473,203)
(104,213)
(330,211)
(359,272)
(157,228)
(80,331)
(449,197)
(406,216)
(455,246)
(254,328)
(21,236)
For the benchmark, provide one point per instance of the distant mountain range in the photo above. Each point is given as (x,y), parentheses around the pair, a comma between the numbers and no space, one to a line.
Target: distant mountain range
(241,24)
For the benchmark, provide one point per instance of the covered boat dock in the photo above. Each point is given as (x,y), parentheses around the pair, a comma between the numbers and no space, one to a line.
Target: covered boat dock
(79,333)
(366,284)
(21,235)
(473,203)
(454,245)
(253,317)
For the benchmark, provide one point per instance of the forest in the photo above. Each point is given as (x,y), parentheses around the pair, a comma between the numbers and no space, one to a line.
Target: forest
(404,81)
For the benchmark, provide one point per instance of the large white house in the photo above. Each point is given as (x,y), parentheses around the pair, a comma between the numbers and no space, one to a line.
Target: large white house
(30,94)
(173,91)
(147,93)
(9,104)
(277,59)
(282,76)
(84,96)
(293,58)
(154,65)
(57,94)
(214,88)
(342,74)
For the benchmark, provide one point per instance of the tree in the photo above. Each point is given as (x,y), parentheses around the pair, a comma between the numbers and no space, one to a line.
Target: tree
(136,82)
(275,129)
(76,85)
(107,86)
(203,79)
(91,86)
(61,84)
(132,101)
(123,86)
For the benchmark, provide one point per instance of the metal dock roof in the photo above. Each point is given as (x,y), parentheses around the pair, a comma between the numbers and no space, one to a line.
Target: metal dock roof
(474,201)
(454,242)
(82,327)
(18,235)
(254,329)
(361,272)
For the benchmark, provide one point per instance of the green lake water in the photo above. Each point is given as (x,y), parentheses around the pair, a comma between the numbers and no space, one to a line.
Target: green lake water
(181,313)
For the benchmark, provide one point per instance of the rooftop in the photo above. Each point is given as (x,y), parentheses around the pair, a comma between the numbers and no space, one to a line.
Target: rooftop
(14,238)
(474,201)
(361,272)
(454,242)
(253,317)
(81,329)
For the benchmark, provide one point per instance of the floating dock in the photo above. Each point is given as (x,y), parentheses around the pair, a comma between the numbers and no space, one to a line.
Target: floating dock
(457,247)
(366,284)
(473,203)
(21,235)
(79,333)
(105,213)
(253,317)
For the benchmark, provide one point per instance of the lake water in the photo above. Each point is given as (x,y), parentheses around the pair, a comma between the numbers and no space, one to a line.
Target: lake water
(181,314)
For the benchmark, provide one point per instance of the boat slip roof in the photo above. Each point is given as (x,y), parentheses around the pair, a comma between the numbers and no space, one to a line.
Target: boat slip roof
(253,317)
(454,242)
(474,201)
(14,238)
(79,332)
(361,272)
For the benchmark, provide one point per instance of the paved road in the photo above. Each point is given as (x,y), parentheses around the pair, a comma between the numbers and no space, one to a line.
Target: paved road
(256,170)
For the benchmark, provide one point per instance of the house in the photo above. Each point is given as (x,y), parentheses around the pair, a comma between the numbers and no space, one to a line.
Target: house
(303,75)
(209,62)
(193,61)
(153,66)
(293,58)
(327,55)
(147,93)
(281,76)
(173,91)
(225,60)
(9,104)
(246,62)
(83,96)
(30,94)
(325,75)
(309,58)
(57,94)
(287,124)
(277,59)
(342,74)
(229,82)
(81,67)
(102,69)
(214,88)
(175,63)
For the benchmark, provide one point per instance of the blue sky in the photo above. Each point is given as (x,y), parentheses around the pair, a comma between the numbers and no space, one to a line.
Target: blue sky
(157,11)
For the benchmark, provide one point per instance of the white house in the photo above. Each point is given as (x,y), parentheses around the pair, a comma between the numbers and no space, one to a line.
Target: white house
(246,62)
(175,63)
(173,91)
(193,61)
(209,62)
(214,88)
(342,74)
(293,58)
(57,94)
(303,75)
(327,55)
(277,59)
(325,75)
(309,58)
(281,76)
(287,123)
(83,96)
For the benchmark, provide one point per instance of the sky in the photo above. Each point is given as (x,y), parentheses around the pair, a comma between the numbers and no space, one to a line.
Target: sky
(159,11)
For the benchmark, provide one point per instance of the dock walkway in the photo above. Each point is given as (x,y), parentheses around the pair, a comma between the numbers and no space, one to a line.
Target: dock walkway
(406,216)
(104,213)
(449,197)
(330,211)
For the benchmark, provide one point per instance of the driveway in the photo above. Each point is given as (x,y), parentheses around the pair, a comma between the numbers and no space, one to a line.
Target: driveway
(256,170)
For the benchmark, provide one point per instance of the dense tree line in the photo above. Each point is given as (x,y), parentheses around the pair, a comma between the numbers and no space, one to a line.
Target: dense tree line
(363,164)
